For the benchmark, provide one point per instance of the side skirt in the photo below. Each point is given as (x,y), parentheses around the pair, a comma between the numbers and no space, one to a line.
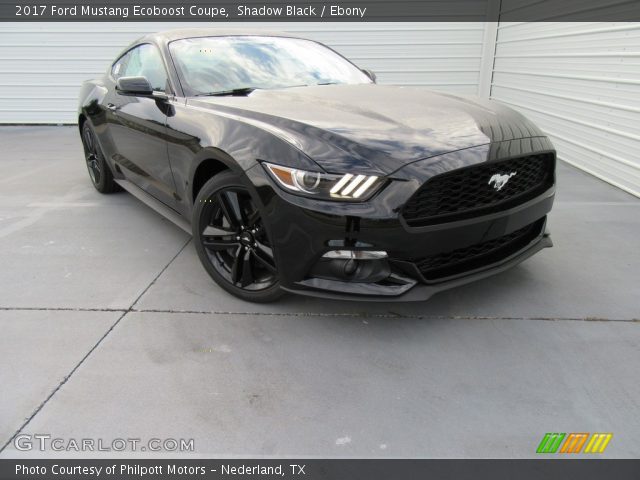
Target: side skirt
(157,205)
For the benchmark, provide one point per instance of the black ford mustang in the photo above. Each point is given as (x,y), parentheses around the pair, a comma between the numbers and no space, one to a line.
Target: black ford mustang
(295,171)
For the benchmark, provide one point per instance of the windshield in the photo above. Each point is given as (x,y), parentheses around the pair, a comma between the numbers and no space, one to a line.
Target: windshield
(219,64)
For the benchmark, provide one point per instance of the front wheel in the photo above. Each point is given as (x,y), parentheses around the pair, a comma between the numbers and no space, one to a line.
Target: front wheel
(232,242)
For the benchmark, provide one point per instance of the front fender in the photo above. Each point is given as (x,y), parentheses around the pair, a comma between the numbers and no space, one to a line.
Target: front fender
(90,99)
(196,135)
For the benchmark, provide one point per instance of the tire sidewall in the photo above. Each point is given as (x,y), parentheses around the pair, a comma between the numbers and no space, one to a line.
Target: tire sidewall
(100,186)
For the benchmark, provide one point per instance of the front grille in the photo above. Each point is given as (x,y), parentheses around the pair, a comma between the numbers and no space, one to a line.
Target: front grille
(466,192)
(479,255)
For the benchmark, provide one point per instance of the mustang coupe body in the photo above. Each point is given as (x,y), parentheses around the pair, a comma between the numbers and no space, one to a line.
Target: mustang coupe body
(295,171)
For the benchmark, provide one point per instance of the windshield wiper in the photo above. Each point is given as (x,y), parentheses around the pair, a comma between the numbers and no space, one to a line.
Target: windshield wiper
(235,92)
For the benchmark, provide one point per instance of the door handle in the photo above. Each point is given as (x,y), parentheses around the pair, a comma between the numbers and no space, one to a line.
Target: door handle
(112,107)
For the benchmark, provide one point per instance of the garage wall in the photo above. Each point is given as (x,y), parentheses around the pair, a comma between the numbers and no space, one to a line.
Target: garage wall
(580,82)
(43,64)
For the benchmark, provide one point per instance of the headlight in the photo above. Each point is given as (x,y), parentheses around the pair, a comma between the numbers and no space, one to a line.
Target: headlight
(325,185)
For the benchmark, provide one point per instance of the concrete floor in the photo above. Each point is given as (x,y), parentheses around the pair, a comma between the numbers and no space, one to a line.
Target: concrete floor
(112,329)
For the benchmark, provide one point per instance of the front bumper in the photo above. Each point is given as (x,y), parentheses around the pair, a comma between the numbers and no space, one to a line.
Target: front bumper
(302,230)
(419,292)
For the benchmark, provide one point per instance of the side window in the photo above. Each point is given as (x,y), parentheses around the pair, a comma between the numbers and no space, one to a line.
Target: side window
(119,67)
(144,61)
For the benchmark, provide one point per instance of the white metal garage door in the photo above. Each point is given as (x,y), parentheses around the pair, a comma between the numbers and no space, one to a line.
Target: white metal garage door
(580,82)
(43,64)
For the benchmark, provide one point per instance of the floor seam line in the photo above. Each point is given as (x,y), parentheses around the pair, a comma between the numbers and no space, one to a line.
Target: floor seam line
(310,314)
(383,315)
(64,380)
(91,350)
(63,309)
(153,282)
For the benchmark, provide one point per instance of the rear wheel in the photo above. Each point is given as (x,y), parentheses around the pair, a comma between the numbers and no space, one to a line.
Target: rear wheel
(99,171)
(232,242)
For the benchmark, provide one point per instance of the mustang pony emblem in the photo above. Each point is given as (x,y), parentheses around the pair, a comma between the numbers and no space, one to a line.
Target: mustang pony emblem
(500,181)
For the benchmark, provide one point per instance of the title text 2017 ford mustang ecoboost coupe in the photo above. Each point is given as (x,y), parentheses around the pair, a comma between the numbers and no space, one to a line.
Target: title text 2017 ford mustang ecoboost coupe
(295,171)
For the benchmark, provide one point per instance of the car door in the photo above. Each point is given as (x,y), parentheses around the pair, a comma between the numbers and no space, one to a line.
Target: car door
(138,125)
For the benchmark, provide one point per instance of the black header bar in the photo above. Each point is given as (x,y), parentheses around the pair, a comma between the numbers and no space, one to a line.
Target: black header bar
(303,469)
(319,10)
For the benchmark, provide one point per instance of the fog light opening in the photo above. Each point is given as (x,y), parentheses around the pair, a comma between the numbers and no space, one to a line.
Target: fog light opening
(360,266)
(356,254)
(350,267)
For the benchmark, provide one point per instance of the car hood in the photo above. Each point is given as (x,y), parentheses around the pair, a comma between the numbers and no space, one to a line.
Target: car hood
(373,129)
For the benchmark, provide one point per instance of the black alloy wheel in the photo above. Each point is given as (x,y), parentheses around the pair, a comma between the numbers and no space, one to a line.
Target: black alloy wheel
(232,241)
(99,171)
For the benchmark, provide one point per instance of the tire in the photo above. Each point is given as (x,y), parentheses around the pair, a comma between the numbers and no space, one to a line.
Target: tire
(99,171)
(232,242)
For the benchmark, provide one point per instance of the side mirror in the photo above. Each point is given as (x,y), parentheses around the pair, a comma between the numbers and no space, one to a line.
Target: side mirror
(134,86)
(369,74)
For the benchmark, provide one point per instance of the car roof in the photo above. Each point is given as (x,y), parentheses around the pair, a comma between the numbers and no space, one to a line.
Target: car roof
(167,36)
